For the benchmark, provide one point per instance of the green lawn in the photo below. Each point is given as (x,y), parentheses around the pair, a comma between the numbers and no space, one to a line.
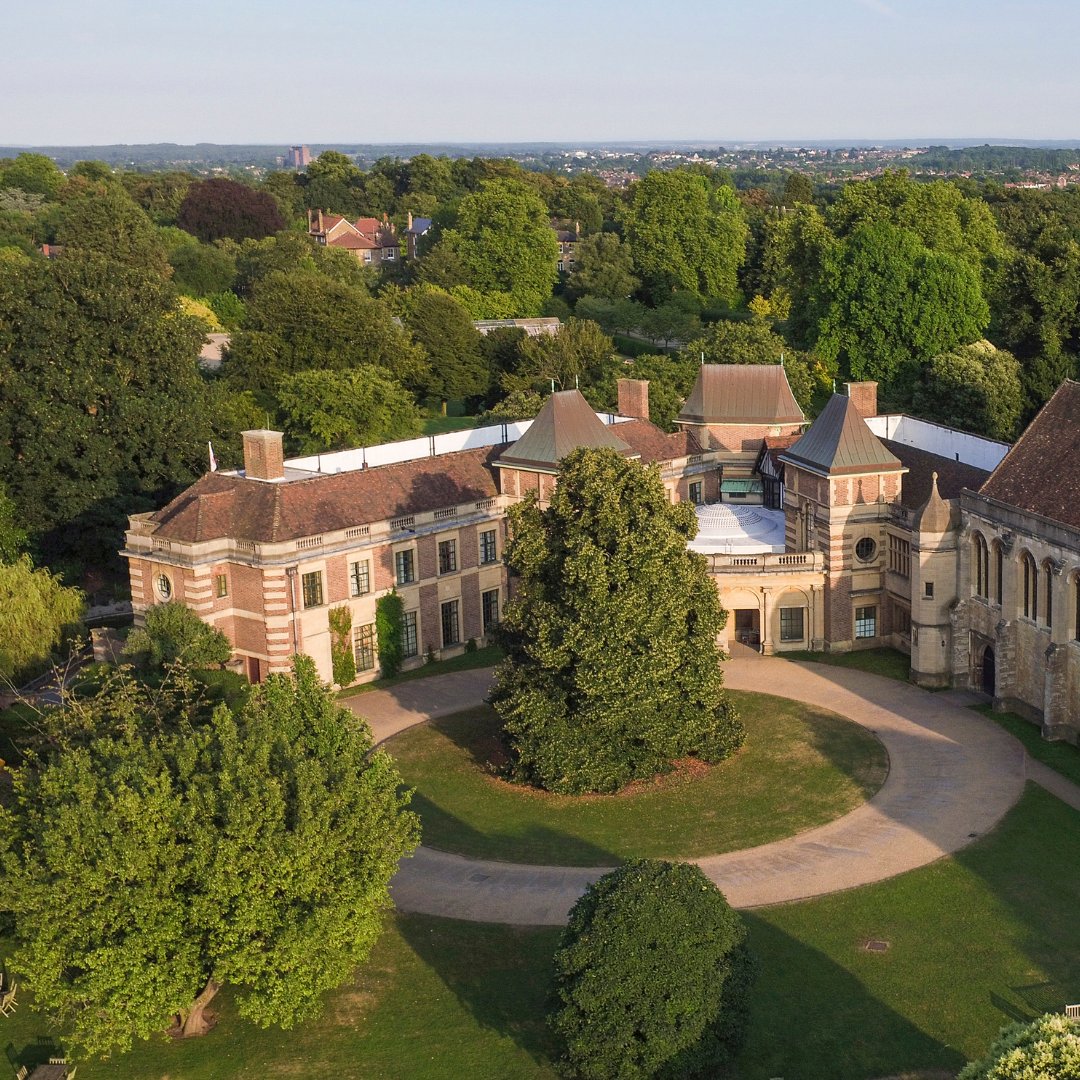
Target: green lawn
(467,661)
(439,425)
(800,767)
(1062,756)
(975,941)
(891,663)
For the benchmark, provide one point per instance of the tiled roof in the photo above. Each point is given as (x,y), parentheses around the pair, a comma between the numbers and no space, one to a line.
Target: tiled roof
(565,423)
(653,444)
(224,506)
(839,442)
(352,242)
(953,476)
(775,445)
(1041,473)
(367,225)
(742,394)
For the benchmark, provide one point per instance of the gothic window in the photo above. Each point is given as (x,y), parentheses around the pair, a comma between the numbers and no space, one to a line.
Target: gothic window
(982,566)
(999,573)
(1049,595)
(1031,587)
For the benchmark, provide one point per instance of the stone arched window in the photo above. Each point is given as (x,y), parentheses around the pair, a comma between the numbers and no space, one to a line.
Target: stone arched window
(1048,593)
(1076,605)
(999,572)
(1030,571)
(981,559)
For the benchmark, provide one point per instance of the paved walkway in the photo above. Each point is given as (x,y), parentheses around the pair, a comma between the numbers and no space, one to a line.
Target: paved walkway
(952,776)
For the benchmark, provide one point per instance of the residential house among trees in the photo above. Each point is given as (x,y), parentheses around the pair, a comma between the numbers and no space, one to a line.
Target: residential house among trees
(370,240)
(861,530)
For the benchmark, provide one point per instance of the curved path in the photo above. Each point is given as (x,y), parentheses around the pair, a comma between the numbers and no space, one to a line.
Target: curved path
(953,774)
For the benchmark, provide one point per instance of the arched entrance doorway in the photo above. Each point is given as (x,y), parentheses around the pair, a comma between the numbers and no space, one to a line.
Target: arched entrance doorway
(988,675)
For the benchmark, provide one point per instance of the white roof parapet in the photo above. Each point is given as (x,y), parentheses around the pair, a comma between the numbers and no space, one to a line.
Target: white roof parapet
(367,457)
(937,439)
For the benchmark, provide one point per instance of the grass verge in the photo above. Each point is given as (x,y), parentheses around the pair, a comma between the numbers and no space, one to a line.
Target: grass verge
(891,663)
(1061,756)
(800,767)
(485,657)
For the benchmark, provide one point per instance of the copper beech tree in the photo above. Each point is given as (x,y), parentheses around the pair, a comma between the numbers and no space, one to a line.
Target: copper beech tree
(151,862)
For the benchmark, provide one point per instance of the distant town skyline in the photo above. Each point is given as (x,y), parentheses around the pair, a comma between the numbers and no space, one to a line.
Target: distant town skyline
(593,71)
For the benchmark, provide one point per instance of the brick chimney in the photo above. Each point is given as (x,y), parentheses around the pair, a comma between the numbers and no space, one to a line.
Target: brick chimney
(864,397)
(634,398)
(264,455)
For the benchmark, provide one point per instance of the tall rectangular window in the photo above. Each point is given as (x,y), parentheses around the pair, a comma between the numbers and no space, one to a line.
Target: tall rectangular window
(899,556)
(489,603)
(999,573)
(451,623)
(221,585)
(866,622)
(447,556)
(410,642)
(1049,595)
(489,550)
(1076,607)
(312,585)
(791,623)
(404,566)
(1031,588)
(364,647)
(360,577)
(695,492)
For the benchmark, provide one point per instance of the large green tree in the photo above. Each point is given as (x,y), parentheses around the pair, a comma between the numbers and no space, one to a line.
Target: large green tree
(103,410)
(612,670)
(505,241)
(147,869)
(218,209)
(890,304)
(976,387)
(604,267)
(304,321)
(445,329)
(574,358)
(337,410)
(37,615)
(652,977)
(686,234)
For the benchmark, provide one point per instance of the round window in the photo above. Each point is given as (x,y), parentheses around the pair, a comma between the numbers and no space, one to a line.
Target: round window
(164,586)
(865,549)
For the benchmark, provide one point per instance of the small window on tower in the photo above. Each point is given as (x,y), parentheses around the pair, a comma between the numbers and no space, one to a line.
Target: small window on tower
(928,590)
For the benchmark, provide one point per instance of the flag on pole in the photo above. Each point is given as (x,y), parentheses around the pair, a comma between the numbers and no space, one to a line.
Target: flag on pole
(213,460)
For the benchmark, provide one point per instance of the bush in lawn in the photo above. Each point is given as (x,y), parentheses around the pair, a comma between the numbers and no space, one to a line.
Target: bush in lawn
(652,976)
(1046,1049)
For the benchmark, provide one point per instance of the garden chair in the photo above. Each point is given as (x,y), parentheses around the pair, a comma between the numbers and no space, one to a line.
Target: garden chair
(7,1000)
(22,1072)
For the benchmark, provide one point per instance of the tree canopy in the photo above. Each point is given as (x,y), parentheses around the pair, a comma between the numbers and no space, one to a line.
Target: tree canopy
(604,267)
(612,669)
(147,869)
(445,329)
(37,614)
(173,632)
(336,410)
(504,240)
(652,976)
(219,209)
(686,234)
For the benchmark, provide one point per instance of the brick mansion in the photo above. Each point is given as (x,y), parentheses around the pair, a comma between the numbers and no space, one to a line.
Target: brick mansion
(857,530)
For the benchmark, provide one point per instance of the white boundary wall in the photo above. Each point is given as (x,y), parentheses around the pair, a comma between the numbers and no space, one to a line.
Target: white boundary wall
(367,457)
(943,441)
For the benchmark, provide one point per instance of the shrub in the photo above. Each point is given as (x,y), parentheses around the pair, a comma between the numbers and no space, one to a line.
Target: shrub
(388,623)
(1046,1049)
(652,976)
(174,632)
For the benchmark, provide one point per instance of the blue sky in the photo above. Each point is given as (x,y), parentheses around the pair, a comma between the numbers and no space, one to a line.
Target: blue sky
(266,71)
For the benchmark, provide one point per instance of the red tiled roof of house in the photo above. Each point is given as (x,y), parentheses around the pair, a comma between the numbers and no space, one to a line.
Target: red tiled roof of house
(352,242)
(653,444)
(222,506)
(369,226)
(1041,473)
(774,444)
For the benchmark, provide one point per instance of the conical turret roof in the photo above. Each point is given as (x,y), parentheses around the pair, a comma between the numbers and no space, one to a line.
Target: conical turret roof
(565,423)
(840,442)
(936,515)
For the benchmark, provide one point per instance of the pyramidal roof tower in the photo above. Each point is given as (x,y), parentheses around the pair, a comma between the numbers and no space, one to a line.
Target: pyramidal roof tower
(839,442)
(565,423)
